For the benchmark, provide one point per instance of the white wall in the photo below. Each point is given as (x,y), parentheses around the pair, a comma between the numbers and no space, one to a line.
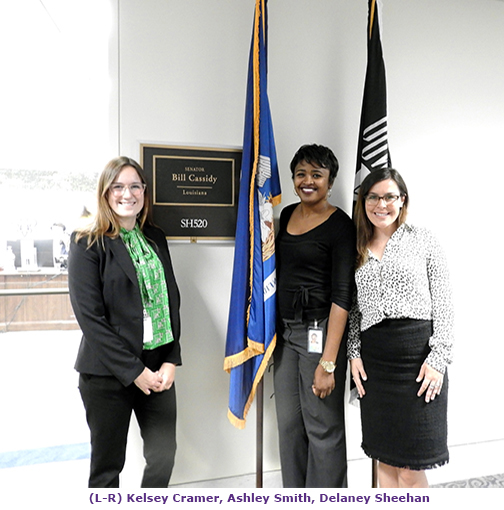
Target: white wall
(182,78)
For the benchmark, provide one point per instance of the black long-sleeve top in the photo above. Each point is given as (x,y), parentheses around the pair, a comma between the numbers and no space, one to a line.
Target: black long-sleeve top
(315,269)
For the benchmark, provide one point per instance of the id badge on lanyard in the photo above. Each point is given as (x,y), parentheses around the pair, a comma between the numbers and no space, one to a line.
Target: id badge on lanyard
(315,338)
(148,335)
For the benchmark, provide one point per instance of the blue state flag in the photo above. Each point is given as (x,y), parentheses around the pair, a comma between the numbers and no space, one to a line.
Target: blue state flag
(251,335)
(373,148)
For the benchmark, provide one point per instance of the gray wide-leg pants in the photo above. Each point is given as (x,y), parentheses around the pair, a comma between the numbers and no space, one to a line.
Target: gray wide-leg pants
(311,430)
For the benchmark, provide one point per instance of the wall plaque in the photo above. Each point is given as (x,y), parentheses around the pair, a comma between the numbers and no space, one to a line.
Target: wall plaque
(194,190)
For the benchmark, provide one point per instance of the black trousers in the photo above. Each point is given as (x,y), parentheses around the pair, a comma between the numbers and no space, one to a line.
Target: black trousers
(311,430)
(108,407)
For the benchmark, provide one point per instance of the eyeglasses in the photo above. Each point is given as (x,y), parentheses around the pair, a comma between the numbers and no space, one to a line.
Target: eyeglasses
(389,198)
(137,188)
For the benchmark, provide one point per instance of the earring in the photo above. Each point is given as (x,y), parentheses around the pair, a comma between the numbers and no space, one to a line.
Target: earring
(329,193)
(295,192)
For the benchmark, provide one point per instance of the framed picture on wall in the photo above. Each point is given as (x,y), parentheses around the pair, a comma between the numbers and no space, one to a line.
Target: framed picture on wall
(194,190)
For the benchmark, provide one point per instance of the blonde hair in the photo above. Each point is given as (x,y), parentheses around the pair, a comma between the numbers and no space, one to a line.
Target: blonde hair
(365,228)
(106,223)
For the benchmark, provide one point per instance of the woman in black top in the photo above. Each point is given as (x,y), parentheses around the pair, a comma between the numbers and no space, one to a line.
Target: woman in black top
(315,251)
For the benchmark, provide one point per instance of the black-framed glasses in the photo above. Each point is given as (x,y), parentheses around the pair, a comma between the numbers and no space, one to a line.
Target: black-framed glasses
(389,198)
(136,189)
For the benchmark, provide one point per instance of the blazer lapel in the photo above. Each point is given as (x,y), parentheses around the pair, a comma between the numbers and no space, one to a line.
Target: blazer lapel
(123,258)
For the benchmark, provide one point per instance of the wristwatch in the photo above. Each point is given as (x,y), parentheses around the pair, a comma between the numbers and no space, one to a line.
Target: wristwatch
(328,366)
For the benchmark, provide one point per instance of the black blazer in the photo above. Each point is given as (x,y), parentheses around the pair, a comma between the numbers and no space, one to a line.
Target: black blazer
(106,300)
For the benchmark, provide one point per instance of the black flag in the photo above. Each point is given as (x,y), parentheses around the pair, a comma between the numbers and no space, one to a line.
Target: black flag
(373,149)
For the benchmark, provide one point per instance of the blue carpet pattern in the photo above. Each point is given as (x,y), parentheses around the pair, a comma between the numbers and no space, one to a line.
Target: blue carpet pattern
(44,455)
(485,482)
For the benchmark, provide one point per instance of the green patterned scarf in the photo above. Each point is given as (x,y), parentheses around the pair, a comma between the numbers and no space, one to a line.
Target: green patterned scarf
(151,279)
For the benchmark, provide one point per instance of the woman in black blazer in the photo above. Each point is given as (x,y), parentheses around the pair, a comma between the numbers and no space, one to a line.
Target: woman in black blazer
(128,311)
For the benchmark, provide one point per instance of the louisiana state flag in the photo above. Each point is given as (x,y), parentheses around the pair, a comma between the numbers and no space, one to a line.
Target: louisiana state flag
(251,335)
(373,149)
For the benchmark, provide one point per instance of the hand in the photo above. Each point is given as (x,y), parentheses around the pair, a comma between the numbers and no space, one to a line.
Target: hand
(432,382)
(148,380)
(358,375)
(323,383)
(167,372)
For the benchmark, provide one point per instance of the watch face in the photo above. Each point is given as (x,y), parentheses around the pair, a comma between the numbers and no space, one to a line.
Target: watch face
(328,366)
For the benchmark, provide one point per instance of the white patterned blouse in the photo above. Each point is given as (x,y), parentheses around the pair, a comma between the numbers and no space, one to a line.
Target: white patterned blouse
(411,281)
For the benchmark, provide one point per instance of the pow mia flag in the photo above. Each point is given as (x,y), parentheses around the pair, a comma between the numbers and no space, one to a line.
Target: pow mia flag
(373,150)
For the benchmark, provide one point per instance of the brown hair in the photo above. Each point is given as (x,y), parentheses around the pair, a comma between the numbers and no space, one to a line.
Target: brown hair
(106,222)
(365,228)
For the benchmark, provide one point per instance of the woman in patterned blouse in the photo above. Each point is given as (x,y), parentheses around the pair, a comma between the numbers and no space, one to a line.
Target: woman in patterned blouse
(400,335)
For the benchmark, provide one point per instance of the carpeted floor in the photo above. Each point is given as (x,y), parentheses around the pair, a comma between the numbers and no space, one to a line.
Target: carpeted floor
(485,482)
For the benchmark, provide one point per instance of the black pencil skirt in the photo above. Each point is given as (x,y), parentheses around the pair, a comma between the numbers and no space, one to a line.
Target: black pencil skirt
(399,428)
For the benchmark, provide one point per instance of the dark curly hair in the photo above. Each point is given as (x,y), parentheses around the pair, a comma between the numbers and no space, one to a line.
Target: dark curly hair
(317,155)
